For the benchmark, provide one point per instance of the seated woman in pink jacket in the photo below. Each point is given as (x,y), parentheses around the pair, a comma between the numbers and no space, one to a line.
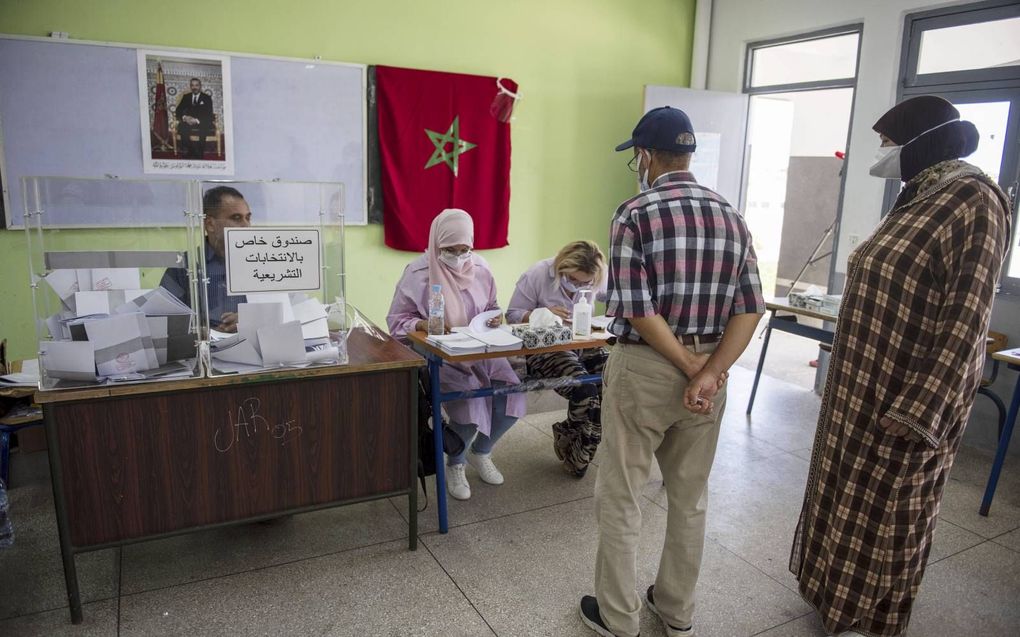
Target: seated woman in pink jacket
(556,284)
(468,289)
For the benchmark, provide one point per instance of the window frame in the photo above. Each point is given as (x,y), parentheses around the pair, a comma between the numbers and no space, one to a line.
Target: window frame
(844,82)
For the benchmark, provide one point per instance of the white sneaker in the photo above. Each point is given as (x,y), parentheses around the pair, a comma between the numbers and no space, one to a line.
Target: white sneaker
(456,482)
(487,471)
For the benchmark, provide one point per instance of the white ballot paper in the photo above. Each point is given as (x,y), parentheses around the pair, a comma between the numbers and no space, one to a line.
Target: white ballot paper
(122,344)
(97,302)
(282,344)
(274,297)
(251,317)
(68,360)
(64,283)
(154,302)
(312,316)
(116,279)
(235,349)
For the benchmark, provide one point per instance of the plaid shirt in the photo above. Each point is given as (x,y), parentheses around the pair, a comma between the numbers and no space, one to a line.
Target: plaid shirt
(681,251)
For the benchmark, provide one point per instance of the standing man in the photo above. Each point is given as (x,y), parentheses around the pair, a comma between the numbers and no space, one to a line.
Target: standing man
(686,298)
(195,117)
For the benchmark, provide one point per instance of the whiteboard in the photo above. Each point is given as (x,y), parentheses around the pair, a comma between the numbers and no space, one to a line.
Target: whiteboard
(71,109)
(720,126)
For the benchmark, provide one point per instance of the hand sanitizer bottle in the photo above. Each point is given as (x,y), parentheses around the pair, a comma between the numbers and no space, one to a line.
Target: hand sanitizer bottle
(582,317)
(437,312)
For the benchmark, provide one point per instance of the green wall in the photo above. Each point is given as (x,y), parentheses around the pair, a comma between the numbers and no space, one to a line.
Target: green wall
(581,65)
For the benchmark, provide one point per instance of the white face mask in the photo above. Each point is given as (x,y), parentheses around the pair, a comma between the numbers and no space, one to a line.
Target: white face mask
(643,175)
(455,262)
(887,160)
(887,163)
(570,286)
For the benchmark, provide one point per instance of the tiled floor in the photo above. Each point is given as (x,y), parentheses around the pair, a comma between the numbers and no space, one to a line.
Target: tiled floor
(517,558)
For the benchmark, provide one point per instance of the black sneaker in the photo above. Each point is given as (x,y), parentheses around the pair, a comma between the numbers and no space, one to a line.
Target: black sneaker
(591,617)
(671,631)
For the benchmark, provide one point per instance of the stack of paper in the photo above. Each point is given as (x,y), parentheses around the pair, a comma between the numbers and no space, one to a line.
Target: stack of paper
(275,329)
(478,337)
(112,330)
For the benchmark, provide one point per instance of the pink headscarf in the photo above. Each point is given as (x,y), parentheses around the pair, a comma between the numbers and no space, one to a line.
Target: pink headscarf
(450,228)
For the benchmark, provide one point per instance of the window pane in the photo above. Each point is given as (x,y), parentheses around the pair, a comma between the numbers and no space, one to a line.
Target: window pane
(990,118)
(970,46)
(808,61)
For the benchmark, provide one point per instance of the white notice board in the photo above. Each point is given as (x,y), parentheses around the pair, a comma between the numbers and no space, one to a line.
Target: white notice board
(720,125)
(272,260)
(71,108)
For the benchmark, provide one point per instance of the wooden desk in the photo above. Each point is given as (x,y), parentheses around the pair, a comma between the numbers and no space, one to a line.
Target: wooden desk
(145,461)
(1012,359)
(437,357)
(789,323)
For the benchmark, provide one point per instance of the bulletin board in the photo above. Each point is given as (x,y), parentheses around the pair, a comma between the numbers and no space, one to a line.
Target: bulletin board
(71,108)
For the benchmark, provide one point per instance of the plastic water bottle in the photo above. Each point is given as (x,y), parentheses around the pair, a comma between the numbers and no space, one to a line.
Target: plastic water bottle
(6,530)
(437,311)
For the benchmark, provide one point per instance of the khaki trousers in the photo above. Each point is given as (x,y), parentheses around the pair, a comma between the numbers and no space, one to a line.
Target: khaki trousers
(643,414)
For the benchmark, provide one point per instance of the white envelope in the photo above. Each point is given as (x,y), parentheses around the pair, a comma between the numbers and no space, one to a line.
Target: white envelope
(65,284)
(120,344)
(312,316)
(97,302)
(244,353)
(69,360)
(84,279)
(282,298)
(282,344)
(116,279)
(251,317)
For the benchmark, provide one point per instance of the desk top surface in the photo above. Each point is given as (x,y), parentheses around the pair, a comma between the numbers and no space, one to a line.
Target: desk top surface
(366,353)
(419,339)
(1011,356)
(782,305)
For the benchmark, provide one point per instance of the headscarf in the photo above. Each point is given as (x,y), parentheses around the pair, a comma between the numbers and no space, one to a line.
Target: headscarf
(450,228)
(912,117)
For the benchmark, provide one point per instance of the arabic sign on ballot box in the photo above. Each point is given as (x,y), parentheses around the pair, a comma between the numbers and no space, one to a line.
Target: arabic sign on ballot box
(272,260)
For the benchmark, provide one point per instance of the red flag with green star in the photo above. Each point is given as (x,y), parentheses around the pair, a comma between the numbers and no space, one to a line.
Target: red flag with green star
(441,147)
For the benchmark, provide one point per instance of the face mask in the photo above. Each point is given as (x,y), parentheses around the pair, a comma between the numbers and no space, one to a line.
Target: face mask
(887,161)
(570,286)
(643,175)
(455,262)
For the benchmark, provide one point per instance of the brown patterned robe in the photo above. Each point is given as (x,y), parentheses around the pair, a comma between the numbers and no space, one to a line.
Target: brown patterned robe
(909,345)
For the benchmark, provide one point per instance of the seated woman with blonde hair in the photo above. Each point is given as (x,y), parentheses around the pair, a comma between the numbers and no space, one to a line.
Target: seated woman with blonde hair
(556,284)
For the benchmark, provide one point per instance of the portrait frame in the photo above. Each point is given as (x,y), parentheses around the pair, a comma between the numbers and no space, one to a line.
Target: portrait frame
(182,137)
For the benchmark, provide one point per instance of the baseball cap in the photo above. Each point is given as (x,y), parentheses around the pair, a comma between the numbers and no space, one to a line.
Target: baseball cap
(663,128)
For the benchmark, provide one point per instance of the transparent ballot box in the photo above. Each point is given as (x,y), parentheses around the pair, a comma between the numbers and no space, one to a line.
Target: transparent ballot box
(114,304)
(272,275)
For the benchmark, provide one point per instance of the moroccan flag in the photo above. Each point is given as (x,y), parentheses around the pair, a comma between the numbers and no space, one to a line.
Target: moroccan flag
(160,125)
(440,146)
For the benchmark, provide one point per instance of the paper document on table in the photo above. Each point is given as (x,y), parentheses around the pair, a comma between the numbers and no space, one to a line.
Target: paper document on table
(480,323)
(601,322)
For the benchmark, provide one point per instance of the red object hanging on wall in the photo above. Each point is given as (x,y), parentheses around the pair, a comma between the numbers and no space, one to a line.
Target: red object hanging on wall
(441,146)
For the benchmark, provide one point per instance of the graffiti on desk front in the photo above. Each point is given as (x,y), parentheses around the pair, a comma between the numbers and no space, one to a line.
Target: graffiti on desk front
(245,422)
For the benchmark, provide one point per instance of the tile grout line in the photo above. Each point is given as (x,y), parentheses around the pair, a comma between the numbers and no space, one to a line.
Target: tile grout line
(266,567)
(459,589)
(762,632)
(504,516)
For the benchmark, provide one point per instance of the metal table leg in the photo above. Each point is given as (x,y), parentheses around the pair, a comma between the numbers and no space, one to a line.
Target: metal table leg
(66,549)
(1000,453)
(435,364)
(761,363)
(412,496)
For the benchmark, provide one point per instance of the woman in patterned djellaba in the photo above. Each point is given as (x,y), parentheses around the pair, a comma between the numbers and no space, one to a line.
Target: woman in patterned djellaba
(906,364)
